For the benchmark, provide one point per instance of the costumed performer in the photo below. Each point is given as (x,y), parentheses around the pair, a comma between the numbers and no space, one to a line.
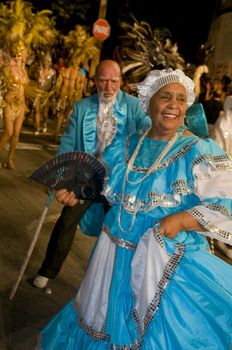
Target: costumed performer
(15,80)
(68,90)
(151,282)
(46,82)
(222,132)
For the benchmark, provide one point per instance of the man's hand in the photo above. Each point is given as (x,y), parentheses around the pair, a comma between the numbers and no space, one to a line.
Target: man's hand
(66,198)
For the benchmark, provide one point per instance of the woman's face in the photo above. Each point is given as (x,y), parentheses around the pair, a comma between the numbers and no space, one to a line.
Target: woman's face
(46,63)
(24,55)
(167,109)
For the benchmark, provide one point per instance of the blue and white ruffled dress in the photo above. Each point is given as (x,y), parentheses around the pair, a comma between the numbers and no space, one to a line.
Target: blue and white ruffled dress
(143,291)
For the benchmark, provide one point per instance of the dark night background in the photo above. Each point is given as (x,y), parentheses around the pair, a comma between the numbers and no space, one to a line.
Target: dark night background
(188,21)
(189,30)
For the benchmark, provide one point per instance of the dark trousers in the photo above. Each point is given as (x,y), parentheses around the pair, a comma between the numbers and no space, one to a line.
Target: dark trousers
(61,239)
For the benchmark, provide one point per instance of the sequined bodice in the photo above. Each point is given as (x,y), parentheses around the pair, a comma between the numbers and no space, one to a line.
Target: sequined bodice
(46,80)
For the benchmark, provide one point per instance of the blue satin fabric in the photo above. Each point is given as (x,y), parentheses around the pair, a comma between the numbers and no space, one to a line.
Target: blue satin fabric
(196,120)
(80,135)
(190,303)
(196,306)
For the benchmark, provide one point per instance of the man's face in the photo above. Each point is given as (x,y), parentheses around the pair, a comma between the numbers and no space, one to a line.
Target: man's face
(108,81)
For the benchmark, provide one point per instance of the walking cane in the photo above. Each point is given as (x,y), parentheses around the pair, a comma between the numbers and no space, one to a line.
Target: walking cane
(32,245)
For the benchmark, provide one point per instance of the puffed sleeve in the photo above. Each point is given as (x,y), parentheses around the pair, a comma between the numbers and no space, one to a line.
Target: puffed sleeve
(212,174)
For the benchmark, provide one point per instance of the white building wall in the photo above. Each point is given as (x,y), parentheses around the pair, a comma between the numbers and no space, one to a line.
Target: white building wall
(220,36)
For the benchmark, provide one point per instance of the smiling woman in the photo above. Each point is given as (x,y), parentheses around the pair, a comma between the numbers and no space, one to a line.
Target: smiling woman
(151,274)
(166,97)
(167,110)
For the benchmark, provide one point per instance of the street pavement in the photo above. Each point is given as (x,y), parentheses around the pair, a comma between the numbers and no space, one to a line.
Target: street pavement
(21,205)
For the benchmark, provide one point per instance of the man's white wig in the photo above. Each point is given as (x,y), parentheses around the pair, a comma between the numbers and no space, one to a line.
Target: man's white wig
(158,78)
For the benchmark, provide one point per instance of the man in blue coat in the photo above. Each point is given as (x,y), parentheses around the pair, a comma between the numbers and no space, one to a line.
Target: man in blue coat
(95,121)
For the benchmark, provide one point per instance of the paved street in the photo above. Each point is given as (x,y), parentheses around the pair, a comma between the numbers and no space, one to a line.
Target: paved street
(21,205)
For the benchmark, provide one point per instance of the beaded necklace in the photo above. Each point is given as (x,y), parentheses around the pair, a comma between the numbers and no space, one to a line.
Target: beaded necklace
(152,168)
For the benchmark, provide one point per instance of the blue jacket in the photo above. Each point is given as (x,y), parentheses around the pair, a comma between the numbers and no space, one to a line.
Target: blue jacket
(81,133)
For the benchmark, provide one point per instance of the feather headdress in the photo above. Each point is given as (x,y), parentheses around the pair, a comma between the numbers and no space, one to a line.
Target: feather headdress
(80,45)
(144,49)
(81,48)
(18,23)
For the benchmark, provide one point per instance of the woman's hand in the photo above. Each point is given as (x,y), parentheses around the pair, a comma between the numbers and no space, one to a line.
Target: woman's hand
(171,225)
(66,198)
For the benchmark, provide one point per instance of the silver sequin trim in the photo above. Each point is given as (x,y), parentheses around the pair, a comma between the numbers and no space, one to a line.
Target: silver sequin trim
(119,241)
(159,239)
(223,162)
(208,226)
(88,329)
(182,187)
(163,200)
(169,270)
(165,163)
(132,205)
(219,208)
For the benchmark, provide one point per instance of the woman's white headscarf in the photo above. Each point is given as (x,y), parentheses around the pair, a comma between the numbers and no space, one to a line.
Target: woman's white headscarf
(158,78)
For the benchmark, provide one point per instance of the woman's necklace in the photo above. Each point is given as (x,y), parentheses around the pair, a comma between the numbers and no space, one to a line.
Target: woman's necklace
(156,163)
(152,168)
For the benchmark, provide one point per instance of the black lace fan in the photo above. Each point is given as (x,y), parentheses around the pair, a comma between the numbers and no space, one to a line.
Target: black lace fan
(79,172)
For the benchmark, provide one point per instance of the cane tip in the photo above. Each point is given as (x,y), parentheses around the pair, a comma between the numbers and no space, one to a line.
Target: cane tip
(48,291)
(11,296)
